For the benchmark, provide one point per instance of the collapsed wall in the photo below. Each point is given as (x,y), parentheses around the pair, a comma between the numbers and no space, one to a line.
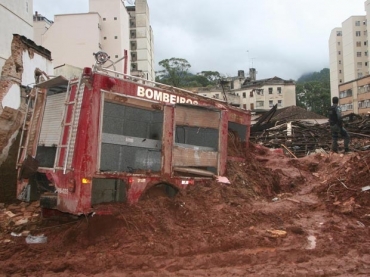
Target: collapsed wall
(20,72)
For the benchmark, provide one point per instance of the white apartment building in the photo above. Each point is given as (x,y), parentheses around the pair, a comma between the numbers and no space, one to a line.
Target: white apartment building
(226,90)
(251,94)
(141,41)
(265,93)
(73,38)
(349,64)
(15,18)
(348,51)
(40,25)
(109,26)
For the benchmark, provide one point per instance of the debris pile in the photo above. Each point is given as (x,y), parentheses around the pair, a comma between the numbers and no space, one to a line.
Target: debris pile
(279,216)
(300,133)
(299,138)
(18,219)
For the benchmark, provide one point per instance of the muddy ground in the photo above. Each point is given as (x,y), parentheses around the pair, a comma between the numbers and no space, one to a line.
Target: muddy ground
(278,217)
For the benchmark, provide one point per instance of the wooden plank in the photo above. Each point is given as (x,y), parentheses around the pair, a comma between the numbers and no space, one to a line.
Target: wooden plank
(197,117)
(194,157)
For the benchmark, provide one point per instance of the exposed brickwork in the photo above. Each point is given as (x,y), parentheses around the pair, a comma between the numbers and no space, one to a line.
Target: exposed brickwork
(10,119)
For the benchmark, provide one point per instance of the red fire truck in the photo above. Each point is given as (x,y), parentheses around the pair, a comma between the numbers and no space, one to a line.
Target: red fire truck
(110,137)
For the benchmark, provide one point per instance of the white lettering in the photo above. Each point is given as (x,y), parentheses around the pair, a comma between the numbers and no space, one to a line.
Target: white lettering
(62,191)
(149,93)
(166,97)
(163,96)
(157,95)
(140,91)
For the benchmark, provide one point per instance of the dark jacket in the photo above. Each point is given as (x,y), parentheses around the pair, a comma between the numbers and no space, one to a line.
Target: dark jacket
(335,117)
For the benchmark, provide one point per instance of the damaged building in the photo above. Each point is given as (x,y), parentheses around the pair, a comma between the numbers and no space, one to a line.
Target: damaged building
(27,65)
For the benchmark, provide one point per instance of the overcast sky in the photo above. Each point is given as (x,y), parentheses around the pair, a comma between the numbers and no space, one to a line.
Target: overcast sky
(284,38)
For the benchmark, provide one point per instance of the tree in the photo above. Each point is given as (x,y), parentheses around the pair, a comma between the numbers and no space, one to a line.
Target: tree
(174,71)
(213,77)
(313,92)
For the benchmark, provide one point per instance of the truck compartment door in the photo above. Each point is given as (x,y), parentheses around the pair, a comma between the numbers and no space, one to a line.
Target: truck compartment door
(196,149)
(131,138)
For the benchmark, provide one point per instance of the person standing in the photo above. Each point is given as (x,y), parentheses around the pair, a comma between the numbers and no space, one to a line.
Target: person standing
(336,126)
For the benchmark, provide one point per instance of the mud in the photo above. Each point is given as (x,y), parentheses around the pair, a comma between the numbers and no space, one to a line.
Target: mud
(278,217)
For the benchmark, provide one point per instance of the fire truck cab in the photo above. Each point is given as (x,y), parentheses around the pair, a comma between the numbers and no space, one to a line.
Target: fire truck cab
(110,137)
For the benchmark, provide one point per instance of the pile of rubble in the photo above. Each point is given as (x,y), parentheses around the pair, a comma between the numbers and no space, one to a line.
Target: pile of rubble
(301,137)
(18,219)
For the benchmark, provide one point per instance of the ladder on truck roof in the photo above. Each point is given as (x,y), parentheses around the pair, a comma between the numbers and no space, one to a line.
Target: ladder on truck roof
(25,136)
(72,108)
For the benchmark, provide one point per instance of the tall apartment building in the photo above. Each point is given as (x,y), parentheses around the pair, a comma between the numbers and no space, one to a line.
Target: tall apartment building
(348,52)
(73,38)
(349,61)
(141,41)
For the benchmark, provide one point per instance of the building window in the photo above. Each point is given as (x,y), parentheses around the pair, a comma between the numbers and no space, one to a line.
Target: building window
(365,43)
(358,54)
(280,103)
(345,93)
(116,56)
(244,95)
(359,64)
(357,23)
(260,104)
(244,106)
(115,37)
(270,90)
(340,71)
(217,96)
(340,80)
(338,42)
(358,43)
(364,22)
(271,103)
(365,63)
(359,74)
(105,37)
(251,93)
(104,19)
(340,62)
(279,90)
(365,33)
(358,33)
(338,52)
(339,33)
(366,53)
(115,18)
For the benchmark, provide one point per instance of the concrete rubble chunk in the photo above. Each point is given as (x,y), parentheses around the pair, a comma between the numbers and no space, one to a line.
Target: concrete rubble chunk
(10,214)
(21,221)
(276,233)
